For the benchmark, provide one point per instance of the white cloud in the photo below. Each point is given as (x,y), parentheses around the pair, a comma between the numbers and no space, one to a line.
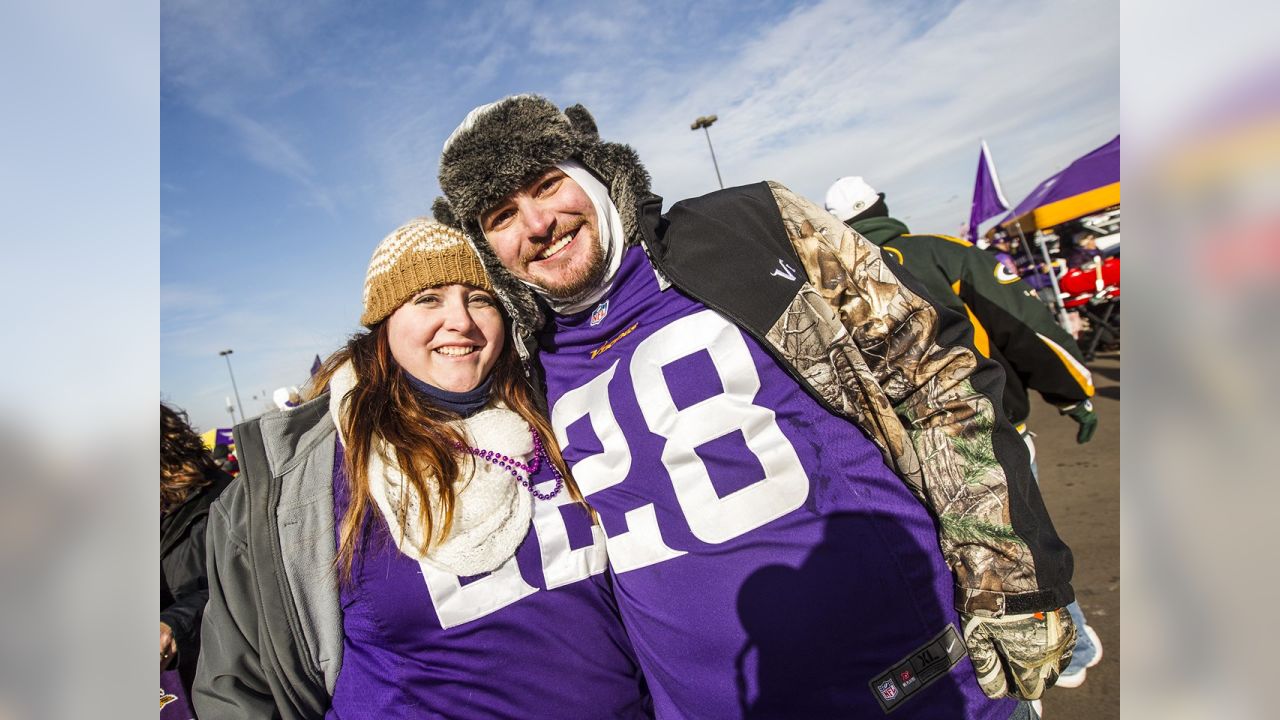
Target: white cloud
(353,109)
(170,229)
(274,334)
(231,62)
(897,92)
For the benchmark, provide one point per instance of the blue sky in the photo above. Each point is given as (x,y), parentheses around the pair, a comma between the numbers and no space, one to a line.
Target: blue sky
(295,135)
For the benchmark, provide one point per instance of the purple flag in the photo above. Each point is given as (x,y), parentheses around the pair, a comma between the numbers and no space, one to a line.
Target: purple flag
(988,198)
(315,366)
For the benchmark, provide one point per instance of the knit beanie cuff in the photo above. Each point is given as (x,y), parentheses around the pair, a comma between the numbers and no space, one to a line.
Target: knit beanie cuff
(418,255)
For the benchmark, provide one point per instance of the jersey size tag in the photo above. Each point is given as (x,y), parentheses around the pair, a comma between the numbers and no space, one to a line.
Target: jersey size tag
(918,669)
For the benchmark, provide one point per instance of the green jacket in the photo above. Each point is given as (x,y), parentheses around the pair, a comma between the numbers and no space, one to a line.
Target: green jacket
(1010,324)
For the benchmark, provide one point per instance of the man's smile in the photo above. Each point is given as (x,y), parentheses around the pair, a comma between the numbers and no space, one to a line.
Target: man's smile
(561,243)
(547,235)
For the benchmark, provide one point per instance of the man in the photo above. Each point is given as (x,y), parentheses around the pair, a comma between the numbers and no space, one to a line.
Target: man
(1010,325)
(806,482)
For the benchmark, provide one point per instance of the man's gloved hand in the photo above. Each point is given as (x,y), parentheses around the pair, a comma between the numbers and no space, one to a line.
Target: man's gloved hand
(1082,412)
(1019,655)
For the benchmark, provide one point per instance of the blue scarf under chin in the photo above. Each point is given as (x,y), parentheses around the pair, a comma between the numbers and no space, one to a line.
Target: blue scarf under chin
(465,403)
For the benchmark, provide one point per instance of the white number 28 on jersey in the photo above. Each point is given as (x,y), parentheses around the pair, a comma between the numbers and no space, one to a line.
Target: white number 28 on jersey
(710,517)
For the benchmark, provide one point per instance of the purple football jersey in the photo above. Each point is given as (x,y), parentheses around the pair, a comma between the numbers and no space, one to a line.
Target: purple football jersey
(767,562)
(539,637)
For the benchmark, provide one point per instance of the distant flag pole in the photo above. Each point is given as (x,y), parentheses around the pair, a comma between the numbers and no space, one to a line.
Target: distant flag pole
(988,198)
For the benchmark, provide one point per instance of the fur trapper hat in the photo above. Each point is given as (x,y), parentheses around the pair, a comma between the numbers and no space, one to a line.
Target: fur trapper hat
(503,145)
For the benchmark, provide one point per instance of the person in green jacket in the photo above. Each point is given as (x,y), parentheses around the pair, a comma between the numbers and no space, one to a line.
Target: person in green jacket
(1010,325)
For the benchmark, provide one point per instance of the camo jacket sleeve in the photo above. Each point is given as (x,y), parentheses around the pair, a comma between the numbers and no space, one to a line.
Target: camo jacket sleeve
(902,367)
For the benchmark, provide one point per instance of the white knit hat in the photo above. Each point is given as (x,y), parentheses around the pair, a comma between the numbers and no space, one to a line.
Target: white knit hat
(850,196)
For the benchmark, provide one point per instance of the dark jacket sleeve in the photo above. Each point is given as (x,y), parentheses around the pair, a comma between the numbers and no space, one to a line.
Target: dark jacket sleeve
(953,402)
(1044,356)
(230,682)
(190,591)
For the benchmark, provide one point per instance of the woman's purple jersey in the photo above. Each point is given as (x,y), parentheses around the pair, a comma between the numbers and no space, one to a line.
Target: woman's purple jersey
(767,563)
(539,637)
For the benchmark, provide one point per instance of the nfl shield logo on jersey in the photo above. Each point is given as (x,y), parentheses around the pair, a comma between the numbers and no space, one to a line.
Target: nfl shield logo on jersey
(887,689)
(597,315)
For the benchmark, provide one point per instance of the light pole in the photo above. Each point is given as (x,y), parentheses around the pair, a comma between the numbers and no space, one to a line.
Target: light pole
(705,122)
(227,355)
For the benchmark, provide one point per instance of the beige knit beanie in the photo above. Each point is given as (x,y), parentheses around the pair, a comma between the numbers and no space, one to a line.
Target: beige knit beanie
(420,254)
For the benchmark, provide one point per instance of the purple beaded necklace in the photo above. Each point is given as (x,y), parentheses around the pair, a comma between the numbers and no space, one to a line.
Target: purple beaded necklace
(515,467)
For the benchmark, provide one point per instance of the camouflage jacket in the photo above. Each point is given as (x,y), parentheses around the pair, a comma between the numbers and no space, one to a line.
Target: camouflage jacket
(866,342)
(1010,323)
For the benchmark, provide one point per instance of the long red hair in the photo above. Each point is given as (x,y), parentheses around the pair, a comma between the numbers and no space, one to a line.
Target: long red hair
(384,405)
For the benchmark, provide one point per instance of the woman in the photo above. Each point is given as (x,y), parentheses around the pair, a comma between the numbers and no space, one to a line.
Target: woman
(189,483)
(409,544)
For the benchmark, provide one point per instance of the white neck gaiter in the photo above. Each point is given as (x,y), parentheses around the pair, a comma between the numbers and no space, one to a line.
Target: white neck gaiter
(611,238)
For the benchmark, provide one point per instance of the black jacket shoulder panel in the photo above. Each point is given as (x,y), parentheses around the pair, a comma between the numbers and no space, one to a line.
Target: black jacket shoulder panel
(737,237)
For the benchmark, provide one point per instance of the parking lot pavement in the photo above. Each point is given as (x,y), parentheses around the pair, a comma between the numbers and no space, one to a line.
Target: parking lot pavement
(1081,487)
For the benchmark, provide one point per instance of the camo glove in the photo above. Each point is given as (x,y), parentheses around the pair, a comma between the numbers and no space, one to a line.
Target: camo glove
(1082,413)
(1019,655)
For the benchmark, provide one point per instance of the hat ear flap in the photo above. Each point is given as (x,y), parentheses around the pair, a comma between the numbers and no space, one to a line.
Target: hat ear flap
(628,182)
(582,121)
(443,213)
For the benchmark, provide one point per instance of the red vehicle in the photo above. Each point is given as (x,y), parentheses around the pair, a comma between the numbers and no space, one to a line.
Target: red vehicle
(1094,290)
(1094,284)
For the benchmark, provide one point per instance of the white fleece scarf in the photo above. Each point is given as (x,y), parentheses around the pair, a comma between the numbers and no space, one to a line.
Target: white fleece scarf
(492,512)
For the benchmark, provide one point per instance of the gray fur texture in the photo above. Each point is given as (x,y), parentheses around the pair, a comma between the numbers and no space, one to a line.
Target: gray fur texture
(521,304)
(509,145)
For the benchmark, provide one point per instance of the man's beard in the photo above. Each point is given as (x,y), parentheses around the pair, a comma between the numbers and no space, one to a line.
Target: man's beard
(580,281)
